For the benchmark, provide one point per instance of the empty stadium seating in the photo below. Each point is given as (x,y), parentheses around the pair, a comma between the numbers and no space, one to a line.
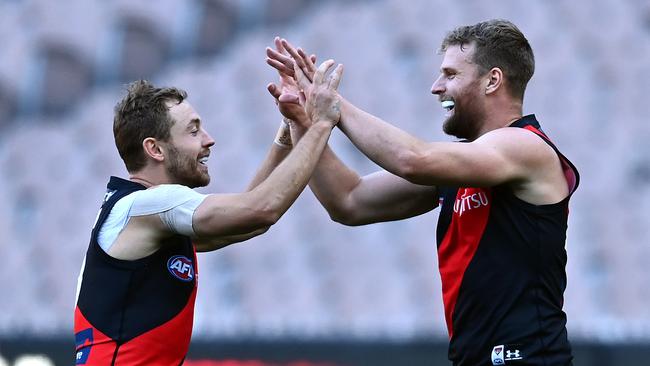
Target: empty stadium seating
(62,71)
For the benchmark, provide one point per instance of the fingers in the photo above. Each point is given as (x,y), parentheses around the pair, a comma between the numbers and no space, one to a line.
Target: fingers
(280,67)
(284,100)
(300,77)
(321,71)
(293,53)
(274,90)
(289,48)
(278,45)
(271,53)
(280,62)
(289,98)
(311,68)
(297,58)
(335,77)
(285,52)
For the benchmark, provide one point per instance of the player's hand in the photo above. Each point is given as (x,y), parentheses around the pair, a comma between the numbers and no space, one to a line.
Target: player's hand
(297,64)
(289,96)
(323,101)
(289,105)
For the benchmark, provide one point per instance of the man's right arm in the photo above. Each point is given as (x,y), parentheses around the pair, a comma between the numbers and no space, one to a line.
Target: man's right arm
(259,208)
(221,215)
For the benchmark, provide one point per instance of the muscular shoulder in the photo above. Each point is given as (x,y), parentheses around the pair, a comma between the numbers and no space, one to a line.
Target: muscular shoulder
(520,146)
(539,178)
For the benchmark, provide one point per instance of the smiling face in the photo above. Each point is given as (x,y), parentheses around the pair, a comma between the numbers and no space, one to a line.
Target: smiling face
(460,91)
(188,148)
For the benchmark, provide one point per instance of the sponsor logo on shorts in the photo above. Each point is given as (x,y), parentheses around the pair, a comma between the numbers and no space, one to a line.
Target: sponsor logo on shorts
(83,339)
(501,354)
(512,355)
(181,267)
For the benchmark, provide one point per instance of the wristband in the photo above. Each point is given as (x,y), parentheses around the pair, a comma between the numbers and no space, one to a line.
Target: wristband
(283,137)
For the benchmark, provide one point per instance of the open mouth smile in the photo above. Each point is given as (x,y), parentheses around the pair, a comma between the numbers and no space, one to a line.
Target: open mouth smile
(448,105)
(204,160)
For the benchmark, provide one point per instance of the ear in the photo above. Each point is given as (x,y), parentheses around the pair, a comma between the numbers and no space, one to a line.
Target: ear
(153,149)
(494,79)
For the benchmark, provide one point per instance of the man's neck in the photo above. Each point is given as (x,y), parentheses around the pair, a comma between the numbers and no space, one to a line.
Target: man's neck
(149,177)
(501,117)
(142,181)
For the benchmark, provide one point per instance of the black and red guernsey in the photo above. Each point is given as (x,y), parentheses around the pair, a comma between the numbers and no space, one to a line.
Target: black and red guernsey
(502,263)
(135,312)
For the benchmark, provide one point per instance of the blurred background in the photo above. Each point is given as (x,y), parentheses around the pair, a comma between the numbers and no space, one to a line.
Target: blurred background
(311,290)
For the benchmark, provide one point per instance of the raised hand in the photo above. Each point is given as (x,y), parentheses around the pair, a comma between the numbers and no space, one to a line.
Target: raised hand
(323,101)
(287,94)
(288,104)
(297,64)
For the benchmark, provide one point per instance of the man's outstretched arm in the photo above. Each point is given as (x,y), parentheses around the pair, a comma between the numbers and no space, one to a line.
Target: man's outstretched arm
(222,219)
(500,156)
(236,214)
(504,155)
(216,220)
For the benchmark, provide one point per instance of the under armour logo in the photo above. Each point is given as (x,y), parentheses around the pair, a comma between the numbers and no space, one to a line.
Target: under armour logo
(500,355)
(510,354)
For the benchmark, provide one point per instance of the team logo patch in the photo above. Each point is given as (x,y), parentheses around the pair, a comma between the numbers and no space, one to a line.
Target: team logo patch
(83,339)
(504,353)
(181,267)
(497,355)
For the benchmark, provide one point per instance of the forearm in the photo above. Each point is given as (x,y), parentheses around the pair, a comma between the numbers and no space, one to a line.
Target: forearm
(332,181)
(285,183)
(354,200)
(383,143)
(225,215)
(279,150)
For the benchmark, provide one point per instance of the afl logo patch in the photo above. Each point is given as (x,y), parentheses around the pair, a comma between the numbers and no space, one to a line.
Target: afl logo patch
(181,267)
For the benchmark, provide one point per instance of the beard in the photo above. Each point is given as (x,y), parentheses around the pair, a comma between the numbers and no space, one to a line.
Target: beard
(462,125)
(464,122)
(185,170)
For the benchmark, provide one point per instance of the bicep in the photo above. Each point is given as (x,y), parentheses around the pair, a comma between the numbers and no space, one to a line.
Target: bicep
(227,214)
(213,221)
(383,196)
(495,158)
(172,205)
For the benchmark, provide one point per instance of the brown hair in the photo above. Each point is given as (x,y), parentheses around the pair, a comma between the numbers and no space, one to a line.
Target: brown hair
(143,113)
(499,43)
